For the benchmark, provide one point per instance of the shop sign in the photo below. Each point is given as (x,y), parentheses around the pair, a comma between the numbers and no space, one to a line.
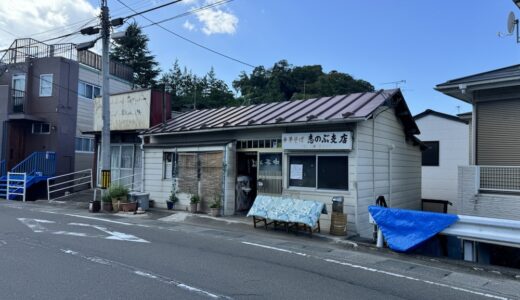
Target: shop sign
(332,140)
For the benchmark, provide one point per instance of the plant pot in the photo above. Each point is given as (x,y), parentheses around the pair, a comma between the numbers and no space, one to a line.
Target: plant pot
(128,207)
(116,202)
(170,205)
(107,206)
(94,206)
(215,212)
(193,207)
(151,204)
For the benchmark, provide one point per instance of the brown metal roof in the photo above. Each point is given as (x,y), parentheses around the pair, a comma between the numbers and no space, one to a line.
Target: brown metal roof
(350,107)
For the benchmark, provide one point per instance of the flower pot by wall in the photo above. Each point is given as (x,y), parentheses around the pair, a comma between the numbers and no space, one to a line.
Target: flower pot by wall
(215,212)
(170,204)
(128,207)
(107,206)
(94,206)
(193,207)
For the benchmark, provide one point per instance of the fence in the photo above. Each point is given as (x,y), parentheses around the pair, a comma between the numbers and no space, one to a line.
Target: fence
(64,185)
(499,178)
(132,182)
(42,162)
(16,185)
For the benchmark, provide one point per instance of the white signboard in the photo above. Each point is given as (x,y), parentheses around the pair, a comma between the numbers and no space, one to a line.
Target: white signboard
(296,171)
(332,140)
(128,111)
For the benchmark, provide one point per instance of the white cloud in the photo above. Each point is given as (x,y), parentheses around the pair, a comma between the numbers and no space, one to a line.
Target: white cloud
(25,18)
(217,21)
(188,25)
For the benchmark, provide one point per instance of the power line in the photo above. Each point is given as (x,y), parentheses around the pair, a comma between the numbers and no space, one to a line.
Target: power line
(190,41)
(148,10)
(189,12)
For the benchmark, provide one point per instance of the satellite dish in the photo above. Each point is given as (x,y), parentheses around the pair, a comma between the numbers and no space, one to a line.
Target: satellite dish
(511,23)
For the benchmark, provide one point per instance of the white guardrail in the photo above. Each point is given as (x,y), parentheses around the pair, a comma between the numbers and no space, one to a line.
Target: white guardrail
(486,230)
(15,182)
(79,178)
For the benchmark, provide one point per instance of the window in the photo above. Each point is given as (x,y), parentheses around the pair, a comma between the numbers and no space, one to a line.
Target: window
(87,90)
(169,162)
(430,156)
(328,172)
(41,128)
(84,144)
(45,85)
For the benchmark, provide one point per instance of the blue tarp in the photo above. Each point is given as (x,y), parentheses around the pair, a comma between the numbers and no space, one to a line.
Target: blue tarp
(404,229)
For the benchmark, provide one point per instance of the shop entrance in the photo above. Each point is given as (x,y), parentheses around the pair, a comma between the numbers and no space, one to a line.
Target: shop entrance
(246,184)
(257,173)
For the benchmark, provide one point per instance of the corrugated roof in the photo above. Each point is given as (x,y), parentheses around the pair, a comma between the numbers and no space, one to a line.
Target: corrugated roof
(502,73)
(343,107)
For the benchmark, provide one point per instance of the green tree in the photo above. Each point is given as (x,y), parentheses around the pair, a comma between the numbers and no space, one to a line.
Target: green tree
(132,50)
(286,82)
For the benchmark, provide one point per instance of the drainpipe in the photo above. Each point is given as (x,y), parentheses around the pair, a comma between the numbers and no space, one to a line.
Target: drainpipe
(142,164)
(391,148)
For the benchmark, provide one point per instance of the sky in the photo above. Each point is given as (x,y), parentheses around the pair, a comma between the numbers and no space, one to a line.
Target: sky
(382,41)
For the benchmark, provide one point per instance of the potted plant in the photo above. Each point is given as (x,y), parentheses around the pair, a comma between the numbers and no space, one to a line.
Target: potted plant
(118,194)
(194,201)
(215,207)
(107,201)
(170,203)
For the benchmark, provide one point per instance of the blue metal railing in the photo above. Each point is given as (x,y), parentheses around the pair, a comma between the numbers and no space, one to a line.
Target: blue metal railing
(38,162)
(2,168)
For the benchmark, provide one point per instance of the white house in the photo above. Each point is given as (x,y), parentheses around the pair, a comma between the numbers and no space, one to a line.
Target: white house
(358,146)
(447,139)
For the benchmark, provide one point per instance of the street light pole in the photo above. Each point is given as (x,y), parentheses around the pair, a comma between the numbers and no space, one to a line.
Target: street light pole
(105,134)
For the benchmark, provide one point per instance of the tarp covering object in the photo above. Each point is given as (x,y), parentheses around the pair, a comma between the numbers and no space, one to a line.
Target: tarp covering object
(285,209)
(404,229)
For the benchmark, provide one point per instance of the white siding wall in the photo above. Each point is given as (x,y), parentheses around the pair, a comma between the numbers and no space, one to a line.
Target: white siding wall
(440,182)
(405,167)
(154,183)
(85,117)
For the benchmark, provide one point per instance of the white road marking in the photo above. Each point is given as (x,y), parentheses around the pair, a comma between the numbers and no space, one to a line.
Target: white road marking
(146,274)
(381,272)
(98,219)
(36,226)
(276,249)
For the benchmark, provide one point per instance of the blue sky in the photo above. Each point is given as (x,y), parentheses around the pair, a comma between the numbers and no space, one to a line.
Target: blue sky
(422,42)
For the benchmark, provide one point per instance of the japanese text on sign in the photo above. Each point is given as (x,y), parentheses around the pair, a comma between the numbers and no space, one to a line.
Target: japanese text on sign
(335,140)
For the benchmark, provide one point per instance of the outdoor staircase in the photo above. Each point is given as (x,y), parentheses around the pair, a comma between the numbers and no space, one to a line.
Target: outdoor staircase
(38,167)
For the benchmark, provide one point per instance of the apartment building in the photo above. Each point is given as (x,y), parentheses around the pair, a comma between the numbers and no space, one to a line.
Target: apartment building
(46,102)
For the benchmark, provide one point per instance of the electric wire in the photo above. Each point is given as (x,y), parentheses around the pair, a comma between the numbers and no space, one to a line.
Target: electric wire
(192,42)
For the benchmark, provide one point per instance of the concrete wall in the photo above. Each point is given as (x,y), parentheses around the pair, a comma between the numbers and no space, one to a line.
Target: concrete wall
(474,203)
(390,166)
(440,182)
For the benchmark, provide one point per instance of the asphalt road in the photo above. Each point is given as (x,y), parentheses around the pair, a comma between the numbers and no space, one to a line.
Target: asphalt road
(62,255)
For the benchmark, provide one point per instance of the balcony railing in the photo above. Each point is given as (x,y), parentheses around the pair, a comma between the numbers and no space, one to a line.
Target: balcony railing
(499,178)
(18,101)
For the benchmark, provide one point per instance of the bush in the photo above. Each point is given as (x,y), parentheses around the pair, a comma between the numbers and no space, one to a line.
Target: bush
(173,197)
(118,191)
(216,202)
(194,199)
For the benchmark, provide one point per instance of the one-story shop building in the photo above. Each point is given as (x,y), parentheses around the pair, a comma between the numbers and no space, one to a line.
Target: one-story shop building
(358,146)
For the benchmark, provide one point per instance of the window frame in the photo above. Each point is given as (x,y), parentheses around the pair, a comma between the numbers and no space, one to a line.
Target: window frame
(90,144)
(438,158)
(88,86)
(316,156)
(33,131)
(173,163)
(51,82)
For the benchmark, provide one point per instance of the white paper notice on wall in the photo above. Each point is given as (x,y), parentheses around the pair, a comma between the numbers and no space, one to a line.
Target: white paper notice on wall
(296,171)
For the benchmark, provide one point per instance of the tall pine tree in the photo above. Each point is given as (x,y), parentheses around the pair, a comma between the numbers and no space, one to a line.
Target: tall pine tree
(132,50)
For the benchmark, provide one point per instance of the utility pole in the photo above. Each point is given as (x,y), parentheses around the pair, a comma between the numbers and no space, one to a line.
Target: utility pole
(105,134)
